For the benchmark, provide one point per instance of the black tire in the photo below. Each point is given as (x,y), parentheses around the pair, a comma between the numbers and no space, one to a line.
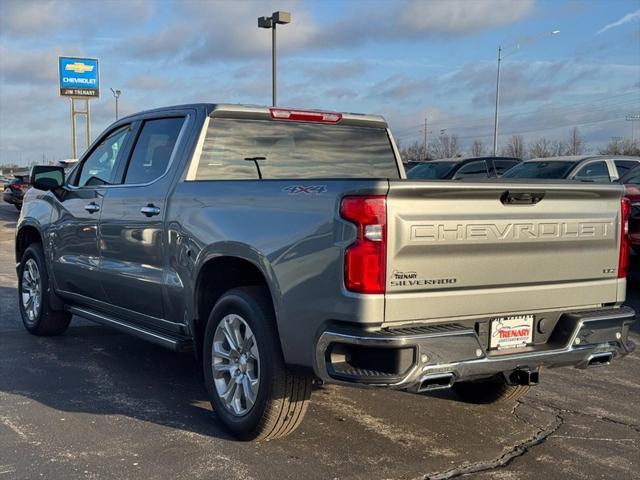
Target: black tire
(18,207)
(283,396)
(490,390)
(46,321)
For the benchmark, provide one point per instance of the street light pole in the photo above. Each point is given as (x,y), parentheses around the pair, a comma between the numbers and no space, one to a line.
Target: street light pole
(116,95)
(282,18)
(633,118)
(274,88)
(517,46)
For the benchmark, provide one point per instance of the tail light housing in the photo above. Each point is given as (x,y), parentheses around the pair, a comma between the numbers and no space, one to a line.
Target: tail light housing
(365,261)
(623,262)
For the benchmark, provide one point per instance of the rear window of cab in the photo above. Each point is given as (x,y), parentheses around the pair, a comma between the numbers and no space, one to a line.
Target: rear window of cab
(237,149)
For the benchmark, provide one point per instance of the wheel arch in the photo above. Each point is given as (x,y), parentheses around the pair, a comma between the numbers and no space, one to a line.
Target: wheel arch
(220,273)
(27,234)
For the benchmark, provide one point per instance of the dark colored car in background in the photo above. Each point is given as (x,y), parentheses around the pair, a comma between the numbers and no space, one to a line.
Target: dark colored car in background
(593,168)
(631,182)
(14,190)
(463,167)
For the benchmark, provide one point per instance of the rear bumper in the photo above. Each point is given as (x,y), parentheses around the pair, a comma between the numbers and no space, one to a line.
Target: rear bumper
(455,353)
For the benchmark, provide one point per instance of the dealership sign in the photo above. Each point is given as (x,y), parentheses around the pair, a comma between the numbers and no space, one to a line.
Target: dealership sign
(79,77)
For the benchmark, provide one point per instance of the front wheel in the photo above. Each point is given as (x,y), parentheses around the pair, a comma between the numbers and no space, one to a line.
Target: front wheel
(252,392)
(34,290)
(489,390)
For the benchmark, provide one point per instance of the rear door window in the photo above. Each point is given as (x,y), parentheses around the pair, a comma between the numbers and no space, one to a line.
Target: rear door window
(595,172)
(251,149)
(153,149)
(476,169)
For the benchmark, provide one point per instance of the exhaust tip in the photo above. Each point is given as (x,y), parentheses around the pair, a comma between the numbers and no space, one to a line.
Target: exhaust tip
(599,359)
(436,382)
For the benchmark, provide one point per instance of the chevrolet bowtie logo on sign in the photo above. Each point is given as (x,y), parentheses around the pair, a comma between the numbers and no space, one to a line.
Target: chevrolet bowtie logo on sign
(79,77)
(79,67)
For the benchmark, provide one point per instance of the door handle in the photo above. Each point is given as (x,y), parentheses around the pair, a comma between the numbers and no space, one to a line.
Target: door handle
(92,207)
(150,210)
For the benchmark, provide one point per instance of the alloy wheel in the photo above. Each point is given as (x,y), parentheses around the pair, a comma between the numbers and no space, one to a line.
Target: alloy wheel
(235,364)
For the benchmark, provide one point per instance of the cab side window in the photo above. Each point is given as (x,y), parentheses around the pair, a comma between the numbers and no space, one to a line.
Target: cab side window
(99,167)
(151,155)
(473,170)
(595,172)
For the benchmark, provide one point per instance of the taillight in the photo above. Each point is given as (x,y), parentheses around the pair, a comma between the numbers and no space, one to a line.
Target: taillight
(365,261)
(305,115)
(623,262)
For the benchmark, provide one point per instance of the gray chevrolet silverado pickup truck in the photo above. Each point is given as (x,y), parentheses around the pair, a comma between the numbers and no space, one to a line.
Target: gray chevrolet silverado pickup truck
(286,246)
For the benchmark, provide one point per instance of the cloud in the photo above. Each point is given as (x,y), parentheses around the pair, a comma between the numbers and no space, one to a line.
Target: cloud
(28,18)
(202,32)
(461,17)
(624,20)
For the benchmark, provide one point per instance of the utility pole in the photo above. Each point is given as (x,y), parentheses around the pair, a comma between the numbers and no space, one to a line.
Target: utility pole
(495,119)
(425,139)
(633,118)
(500,57)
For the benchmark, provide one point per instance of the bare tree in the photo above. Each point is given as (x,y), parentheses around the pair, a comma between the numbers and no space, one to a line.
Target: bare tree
(514,147)
(558,148)
(477,148)
(575,144)
(414,152)
(618,146)
(446,146)
(541,148)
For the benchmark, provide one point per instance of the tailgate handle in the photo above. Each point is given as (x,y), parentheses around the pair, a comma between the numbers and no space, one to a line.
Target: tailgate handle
(521,198)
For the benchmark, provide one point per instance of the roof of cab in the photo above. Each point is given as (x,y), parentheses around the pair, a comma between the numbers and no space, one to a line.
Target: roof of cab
(263,112)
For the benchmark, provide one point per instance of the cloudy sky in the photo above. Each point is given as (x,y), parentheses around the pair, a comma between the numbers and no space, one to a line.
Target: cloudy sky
(406,59)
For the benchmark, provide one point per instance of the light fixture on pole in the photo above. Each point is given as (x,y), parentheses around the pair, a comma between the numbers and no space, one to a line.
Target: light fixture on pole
(116,95)
(276,18)
(514,48)
(633,118)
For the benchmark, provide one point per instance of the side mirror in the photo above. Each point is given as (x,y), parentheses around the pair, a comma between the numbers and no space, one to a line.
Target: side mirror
(44,177)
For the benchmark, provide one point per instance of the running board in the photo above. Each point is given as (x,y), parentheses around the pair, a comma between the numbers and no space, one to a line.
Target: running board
(172,342)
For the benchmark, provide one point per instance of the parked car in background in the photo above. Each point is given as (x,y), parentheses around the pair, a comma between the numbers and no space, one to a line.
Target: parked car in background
(14,190)
(463,167)
(593,168)
(631,182)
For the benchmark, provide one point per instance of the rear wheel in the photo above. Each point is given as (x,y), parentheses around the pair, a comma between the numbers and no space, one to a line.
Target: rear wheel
(252,392)
(489,390)
(18,207)
(34,291)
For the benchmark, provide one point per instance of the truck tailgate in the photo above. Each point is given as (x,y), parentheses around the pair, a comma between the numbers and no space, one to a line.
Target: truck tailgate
(474,249)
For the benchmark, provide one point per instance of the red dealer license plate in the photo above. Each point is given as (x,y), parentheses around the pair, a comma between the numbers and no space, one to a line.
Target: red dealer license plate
(511,332)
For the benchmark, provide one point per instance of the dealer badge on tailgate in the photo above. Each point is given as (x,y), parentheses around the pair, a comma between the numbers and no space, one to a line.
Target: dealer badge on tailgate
(511,332)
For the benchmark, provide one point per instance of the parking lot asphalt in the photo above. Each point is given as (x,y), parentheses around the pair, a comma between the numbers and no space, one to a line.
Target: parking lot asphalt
(95,403)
